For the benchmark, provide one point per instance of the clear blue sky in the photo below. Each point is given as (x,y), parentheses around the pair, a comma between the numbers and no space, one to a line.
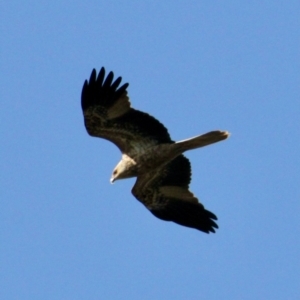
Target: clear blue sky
(67,233)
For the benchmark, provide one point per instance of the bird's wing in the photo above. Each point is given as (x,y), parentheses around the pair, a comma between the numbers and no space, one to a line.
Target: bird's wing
(165,193)
(107,114)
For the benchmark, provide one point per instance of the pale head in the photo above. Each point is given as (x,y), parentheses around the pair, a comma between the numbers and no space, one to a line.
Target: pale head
(124,169)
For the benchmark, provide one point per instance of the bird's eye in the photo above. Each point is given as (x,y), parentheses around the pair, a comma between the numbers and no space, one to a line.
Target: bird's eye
(115,172)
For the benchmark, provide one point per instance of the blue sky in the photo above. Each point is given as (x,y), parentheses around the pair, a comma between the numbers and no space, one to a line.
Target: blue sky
(67,233)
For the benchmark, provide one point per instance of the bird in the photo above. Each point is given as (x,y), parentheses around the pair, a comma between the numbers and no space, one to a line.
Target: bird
(147,152)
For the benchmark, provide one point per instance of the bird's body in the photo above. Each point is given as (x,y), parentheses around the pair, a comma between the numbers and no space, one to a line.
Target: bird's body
(148,153)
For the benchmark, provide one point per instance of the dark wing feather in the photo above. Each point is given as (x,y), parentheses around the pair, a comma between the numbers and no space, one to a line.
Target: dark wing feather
(107,114)
(165,193)
(188,214)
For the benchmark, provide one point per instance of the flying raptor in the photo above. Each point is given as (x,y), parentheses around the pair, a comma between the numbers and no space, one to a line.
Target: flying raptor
(148,153)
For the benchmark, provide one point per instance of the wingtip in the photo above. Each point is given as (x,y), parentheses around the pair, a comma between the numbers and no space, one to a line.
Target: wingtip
(212,229)
(93,76)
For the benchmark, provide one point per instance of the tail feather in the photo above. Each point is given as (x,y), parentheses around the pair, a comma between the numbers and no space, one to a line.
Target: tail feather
(203,140)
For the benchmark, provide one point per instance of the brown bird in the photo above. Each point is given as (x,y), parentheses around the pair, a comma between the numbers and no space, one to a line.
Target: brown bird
(148,153)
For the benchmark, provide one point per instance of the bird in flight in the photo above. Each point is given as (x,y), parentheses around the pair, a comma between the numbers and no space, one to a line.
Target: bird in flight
(148,153)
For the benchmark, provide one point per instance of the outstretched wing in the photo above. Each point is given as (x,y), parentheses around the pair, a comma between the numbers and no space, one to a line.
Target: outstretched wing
(165,193)
(107,114)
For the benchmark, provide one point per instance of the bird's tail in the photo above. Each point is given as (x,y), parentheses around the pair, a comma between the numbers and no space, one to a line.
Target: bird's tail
(203,140)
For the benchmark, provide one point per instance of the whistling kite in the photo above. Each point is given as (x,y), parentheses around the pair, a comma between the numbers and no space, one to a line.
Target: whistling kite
(148,153)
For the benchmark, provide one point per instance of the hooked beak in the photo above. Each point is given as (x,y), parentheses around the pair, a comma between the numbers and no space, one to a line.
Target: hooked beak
(112,180)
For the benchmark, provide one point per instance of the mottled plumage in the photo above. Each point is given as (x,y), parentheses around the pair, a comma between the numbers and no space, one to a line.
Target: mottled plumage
(148,153)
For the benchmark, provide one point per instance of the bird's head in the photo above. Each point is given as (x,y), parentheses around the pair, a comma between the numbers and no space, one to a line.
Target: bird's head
(123,170)
(115,175)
